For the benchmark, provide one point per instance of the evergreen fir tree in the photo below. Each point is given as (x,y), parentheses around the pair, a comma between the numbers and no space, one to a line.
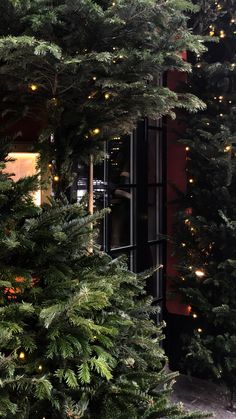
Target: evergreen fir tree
(206,229)
(87,69)
(76,336)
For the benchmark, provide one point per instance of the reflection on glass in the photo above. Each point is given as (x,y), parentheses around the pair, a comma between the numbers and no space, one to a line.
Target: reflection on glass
(152,156)
(119,160)
(99,193)
(121,211)
(157,123)
(121,195)
(154,161)
(155,280)
(153,213)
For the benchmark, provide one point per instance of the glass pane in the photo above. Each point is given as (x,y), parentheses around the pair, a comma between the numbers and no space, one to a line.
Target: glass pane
(154,215)
(152,156)
(119,160)
(157,123)
(121,217)
(156,280)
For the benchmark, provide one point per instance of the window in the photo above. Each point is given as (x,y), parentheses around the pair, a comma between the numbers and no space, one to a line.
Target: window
(131,183)
(24,164)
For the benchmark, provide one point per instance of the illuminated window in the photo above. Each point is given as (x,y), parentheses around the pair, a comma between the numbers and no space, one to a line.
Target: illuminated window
(24,164)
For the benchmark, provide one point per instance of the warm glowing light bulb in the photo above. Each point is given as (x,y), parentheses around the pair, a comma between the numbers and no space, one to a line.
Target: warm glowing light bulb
(94,78)
(191,180)
(199,273)
(40,367)
(33,87)
(187,148)
(227,148)
(22,355)
(221,114)
(50,165)
(199,330)
(211,33)
(222,34)
(56,178)
(183,244)
(221,97)
(107,96)
(198,65)
(96,131)
(186,221)
(194,316)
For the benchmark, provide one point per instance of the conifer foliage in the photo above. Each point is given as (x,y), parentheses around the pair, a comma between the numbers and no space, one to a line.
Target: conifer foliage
(206,229)
(87,69)
(76,336)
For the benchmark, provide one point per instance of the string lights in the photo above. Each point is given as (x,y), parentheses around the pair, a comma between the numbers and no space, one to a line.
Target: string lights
(96,131)
(33,87)
(199,273)
(22,355)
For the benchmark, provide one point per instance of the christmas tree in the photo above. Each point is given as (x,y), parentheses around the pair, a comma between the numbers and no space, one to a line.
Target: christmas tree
(76,336)
(87,70)
(206,229)
(77,339)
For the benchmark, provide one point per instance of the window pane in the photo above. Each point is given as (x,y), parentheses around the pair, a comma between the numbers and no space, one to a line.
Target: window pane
(154,212)
(156,279)
(154,156)
(155,122)
(119,160)
(121,217)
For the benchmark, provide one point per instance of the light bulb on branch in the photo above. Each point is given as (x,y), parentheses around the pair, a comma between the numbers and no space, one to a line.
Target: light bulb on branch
(22,355)
(199,273)
(33,87)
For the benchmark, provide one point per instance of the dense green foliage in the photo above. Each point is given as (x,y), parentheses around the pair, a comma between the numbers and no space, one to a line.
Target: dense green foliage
(206,228)
(93,67)
(76,336)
